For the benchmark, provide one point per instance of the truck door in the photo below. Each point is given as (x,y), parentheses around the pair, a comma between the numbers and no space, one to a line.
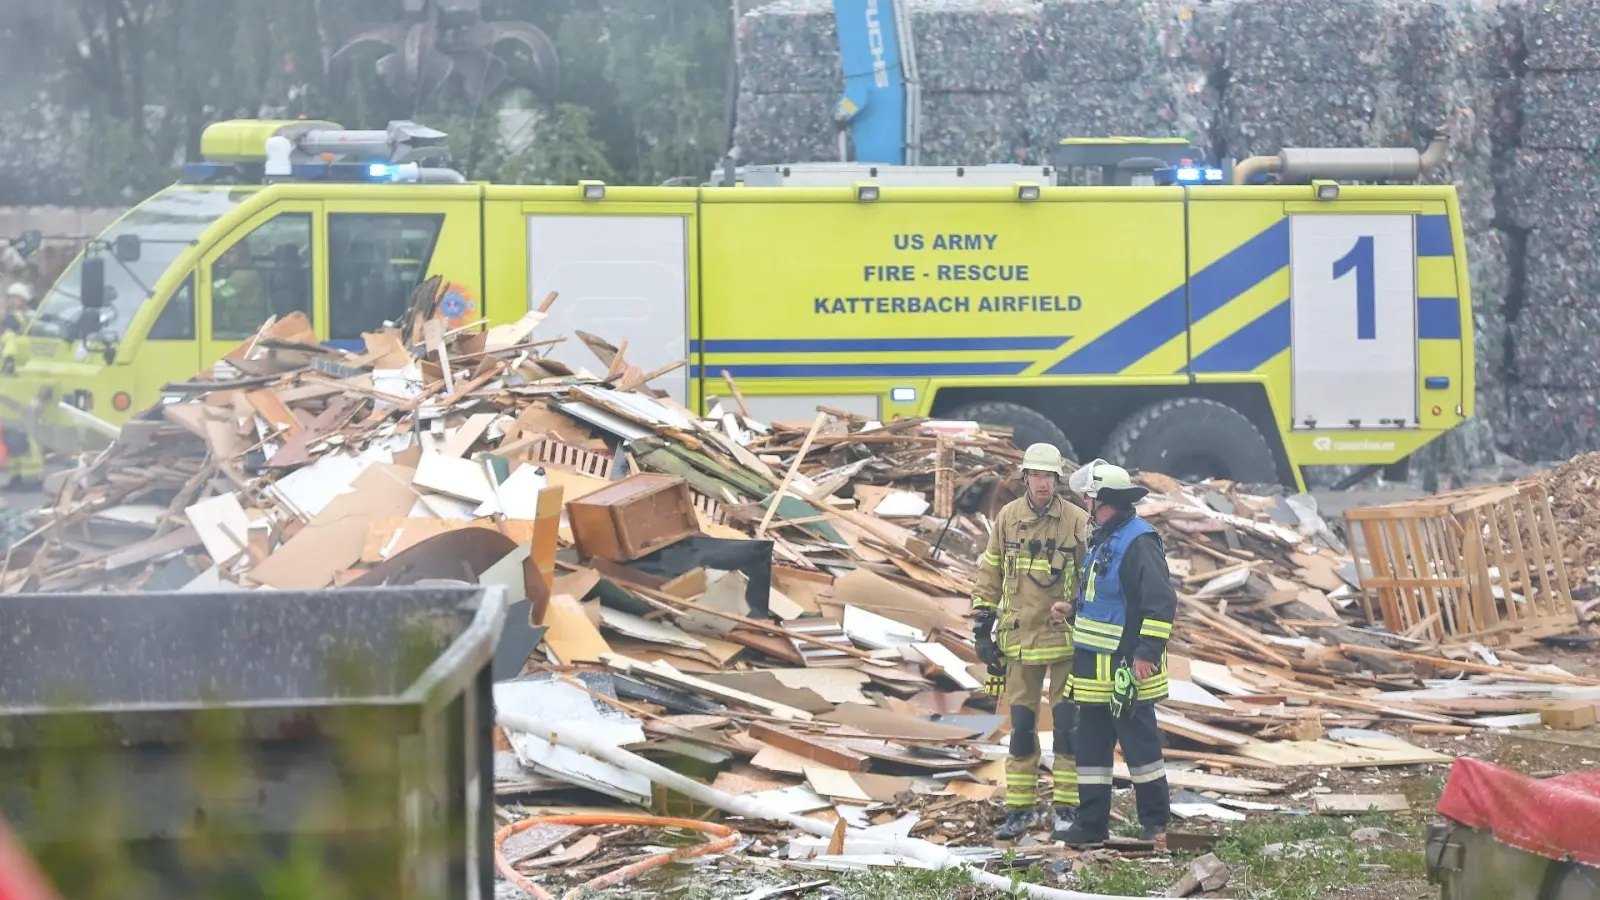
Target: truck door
(1353,300)
(170,352)
(620,271)
(379,250)
(269,266)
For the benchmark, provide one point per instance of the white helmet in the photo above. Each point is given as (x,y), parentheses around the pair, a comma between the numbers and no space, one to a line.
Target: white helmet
(1100,476)
(21,291)
(1042,457)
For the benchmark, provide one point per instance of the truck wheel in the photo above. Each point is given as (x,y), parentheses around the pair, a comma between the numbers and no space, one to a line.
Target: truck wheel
(1028,426)
(1192,438)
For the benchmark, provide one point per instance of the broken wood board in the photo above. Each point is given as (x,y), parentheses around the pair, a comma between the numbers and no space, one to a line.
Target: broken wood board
(666,673)
(1359,804)
(1338,755)
(835,784)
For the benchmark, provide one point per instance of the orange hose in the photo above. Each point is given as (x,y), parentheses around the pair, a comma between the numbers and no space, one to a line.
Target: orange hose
(726,838)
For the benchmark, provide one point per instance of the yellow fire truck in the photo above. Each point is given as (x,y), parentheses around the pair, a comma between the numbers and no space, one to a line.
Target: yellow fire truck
(1128,300)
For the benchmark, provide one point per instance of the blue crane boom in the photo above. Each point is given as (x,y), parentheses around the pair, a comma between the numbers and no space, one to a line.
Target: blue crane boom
(879,110)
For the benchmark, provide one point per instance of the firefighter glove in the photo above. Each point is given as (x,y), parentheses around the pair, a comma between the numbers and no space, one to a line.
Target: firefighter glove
(994,684)
(983,626)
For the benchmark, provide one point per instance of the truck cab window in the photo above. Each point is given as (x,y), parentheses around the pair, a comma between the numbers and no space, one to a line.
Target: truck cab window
(266,273)
(374,262)
(176,322)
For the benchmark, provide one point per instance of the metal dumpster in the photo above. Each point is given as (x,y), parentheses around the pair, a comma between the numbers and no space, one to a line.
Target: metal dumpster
(256,744)
(1505,836)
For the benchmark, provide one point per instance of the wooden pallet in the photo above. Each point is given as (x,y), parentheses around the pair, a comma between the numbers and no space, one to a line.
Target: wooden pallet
(551,452)
(1437,562)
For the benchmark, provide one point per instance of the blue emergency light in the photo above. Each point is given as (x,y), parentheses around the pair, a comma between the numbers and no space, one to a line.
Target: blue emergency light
(1190,174)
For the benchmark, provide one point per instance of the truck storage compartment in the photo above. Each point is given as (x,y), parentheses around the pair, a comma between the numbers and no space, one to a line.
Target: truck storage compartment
(253,743)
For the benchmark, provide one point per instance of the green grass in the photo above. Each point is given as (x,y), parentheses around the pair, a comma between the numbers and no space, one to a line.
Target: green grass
(1128,877)
(909,884)
(1325,859)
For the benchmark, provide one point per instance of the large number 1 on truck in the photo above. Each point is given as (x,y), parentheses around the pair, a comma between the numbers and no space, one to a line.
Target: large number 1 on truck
(1168,314)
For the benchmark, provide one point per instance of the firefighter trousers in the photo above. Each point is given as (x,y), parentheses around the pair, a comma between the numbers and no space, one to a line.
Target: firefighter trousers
(1098,735)
(1024,696)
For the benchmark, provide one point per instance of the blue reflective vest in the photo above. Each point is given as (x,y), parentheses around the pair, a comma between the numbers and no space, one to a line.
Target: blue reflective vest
(1104,613)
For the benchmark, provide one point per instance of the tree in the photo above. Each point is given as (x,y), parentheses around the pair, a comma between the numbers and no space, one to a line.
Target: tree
(111,94)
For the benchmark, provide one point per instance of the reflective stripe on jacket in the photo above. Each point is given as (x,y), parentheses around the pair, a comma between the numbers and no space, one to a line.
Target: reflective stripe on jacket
(1031,564)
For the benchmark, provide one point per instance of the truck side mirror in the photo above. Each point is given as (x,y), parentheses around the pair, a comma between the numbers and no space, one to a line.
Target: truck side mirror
(29,242)
(126,247)
(92,288)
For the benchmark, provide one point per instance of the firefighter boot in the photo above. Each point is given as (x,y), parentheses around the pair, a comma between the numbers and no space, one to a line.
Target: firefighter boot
(1017,823)
(1079,835)
(1065,816)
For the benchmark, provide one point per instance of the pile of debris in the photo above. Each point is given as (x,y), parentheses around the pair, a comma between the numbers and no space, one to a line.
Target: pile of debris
(1574,488)
(781,609)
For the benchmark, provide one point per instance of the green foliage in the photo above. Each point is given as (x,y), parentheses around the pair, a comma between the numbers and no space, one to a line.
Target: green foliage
(1125,877)
(1314,856)
(909,884)
(644,85)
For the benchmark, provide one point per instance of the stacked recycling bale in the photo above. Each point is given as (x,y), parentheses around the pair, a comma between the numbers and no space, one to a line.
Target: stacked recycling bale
(969,54)
(1458,74)
(1552,189)
(789,78)
(970,62)
(1105,68)
(1305,73)
(1002,80)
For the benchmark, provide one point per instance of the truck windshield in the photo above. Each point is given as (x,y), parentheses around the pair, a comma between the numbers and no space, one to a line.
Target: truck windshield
(167,224)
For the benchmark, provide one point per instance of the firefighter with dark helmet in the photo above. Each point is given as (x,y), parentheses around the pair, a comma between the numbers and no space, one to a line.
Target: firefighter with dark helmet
(1119,667)
(1022,607)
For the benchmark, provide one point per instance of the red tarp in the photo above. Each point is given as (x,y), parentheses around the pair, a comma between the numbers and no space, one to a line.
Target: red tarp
(1555,817)
(19,877)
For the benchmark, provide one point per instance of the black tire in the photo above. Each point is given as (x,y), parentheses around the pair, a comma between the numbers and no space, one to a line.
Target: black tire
(1206,438)
(1028,426)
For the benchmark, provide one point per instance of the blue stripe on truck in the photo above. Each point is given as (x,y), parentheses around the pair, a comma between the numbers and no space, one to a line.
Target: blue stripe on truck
(1251,346)
(1433,236)
(859,370)
(1136,337)
(1439,318)
(876,345)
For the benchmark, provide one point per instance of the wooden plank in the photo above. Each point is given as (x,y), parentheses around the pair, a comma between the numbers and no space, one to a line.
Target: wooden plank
(836,784)
(1461,665)
(1223,759)
(944,479)
(1248,637)
(278,416)
(1364,706)
(1340,755)
(1549,520)
(1172,723)
(794,466)
(1356,804)
(815,749)
(665,672)
(1201,781)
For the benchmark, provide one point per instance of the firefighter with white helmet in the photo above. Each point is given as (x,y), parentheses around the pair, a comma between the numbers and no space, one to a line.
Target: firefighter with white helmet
(1022,607)
(1122,623)
(14,312)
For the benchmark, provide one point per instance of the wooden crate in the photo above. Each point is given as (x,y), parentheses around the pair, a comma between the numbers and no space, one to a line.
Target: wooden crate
(551,452)
(633,517)
(1437,562)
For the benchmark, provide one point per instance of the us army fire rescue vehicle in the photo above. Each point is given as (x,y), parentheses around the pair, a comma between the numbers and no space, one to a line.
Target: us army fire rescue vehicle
(1129,300)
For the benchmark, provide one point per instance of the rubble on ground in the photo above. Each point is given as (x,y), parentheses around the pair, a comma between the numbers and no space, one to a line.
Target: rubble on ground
(779,610)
